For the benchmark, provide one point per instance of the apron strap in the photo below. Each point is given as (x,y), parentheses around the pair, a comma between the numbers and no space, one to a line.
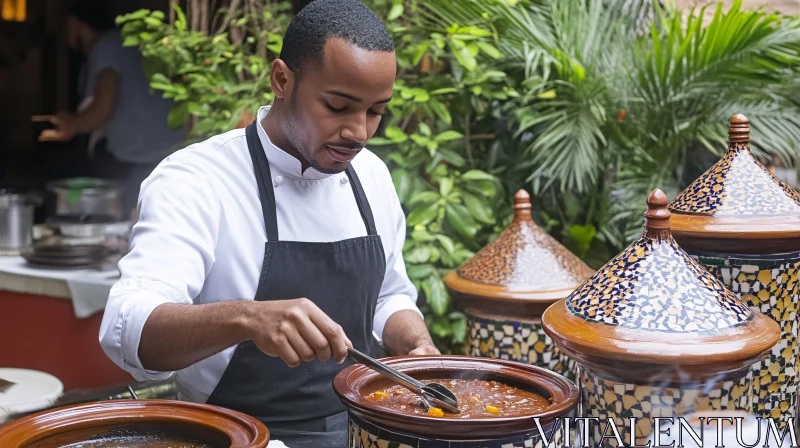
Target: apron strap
(361,200)
(266,193)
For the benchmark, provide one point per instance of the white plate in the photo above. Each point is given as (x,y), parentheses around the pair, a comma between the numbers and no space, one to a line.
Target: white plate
(33,391)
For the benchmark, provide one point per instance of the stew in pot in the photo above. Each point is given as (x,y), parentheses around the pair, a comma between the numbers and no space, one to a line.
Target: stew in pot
(476,399)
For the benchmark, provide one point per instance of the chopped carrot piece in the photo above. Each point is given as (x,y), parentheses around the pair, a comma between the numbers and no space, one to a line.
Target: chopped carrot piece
(381,395)
(435,412)
(492,410)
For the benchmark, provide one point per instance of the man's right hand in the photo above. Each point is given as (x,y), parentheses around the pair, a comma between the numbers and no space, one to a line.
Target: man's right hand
(297,330)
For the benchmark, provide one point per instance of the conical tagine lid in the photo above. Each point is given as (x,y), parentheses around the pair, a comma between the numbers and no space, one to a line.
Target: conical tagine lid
(737,199)
(523,262)
(653,304)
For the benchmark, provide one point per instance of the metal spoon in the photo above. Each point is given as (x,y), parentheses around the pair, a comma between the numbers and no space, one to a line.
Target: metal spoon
(433,394)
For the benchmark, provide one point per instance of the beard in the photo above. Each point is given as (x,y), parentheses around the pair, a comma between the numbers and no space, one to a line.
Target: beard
(299,144)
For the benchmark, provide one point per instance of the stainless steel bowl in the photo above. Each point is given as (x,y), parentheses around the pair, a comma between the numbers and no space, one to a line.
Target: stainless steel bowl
(81,225)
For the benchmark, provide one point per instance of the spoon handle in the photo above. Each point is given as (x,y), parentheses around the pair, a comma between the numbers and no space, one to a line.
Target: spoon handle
(383,369)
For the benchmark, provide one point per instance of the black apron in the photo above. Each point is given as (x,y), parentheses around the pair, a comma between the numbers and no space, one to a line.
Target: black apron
(342,278)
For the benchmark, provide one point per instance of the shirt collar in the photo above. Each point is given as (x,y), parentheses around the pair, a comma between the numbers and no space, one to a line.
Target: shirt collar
(281,159)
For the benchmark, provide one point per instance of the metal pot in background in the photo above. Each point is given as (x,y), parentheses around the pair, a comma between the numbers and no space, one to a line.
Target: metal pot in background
(16,221)
(84,196)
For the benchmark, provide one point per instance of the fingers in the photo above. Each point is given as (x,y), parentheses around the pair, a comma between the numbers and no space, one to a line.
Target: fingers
(332,331)
(299,344)
(425,350)
(49,135)
(303,333)
(314,338)
(284,350)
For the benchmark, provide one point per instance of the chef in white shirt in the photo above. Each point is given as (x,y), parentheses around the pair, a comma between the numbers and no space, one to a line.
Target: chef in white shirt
(261,254)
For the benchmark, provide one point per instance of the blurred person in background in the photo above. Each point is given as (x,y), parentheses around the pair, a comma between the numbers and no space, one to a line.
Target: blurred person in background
(126,120)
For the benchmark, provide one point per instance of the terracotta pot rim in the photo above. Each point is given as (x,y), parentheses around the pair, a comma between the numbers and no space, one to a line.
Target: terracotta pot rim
(735,345)
(755,227)
(349,381)
(496,292)
(245,431)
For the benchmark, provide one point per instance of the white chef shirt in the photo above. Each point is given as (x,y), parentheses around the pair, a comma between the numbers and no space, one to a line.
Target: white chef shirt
(200,239)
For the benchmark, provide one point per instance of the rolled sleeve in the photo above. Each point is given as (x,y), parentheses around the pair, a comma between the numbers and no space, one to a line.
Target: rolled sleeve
(129,306)
(172,251)
(397,292)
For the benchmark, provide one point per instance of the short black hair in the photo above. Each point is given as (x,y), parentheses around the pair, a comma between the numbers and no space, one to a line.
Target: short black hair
(95,13)
(320,20)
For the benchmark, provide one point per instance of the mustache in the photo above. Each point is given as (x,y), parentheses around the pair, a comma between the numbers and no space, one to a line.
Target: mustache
(346,145)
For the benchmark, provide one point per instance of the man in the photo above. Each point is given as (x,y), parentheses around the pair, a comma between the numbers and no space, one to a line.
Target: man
(117,103)
(331,273)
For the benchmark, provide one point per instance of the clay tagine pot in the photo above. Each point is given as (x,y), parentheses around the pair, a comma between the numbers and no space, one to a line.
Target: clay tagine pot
(136,423)
(507,285)
(375,425)
(656,335)
(743,225)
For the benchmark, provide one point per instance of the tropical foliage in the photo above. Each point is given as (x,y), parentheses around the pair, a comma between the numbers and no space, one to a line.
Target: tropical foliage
(621,96)
(587,103)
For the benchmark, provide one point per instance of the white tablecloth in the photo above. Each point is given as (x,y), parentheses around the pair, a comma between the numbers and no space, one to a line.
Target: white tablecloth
(88,289)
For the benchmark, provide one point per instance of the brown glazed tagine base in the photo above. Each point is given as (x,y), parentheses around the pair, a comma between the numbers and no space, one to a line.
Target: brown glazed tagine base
(504,289)
(373,425)
(136,424)
(743,225)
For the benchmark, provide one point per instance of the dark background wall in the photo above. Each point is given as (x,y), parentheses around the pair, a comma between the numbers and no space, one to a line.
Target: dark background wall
(38,75)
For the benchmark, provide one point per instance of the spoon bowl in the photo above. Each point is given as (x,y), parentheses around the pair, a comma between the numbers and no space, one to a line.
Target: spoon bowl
(434,395)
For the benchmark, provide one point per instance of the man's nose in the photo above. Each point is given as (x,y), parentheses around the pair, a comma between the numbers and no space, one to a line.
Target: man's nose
(356,129)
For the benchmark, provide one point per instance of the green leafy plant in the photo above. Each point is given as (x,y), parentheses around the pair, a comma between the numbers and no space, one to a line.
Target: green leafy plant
(215,80)
(434,142)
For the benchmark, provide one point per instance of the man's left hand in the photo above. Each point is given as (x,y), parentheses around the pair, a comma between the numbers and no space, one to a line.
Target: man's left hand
(426,348)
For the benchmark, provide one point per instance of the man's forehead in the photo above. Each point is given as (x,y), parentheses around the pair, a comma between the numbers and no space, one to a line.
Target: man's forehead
(346,63)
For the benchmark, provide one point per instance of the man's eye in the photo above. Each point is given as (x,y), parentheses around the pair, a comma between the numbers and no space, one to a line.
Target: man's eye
(334,109)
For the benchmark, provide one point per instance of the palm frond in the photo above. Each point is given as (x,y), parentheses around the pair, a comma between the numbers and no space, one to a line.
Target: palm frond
(569,140)
(736,49)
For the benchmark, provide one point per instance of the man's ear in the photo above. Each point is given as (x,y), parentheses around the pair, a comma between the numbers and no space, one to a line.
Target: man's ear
(282,79)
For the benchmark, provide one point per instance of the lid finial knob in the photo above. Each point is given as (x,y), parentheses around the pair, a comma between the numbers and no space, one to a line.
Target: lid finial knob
(522,205)
(739,130)
(657,214)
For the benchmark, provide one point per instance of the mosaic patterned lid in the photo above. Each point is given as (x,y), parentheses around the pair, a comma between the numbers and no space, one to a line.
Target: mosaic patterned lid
(653,303)
(737,198)
(523,262)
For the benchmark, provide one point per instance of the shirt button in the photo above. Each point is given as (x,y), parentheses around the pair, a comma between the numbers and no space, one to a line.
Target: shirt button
(278,180)
(345,180)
